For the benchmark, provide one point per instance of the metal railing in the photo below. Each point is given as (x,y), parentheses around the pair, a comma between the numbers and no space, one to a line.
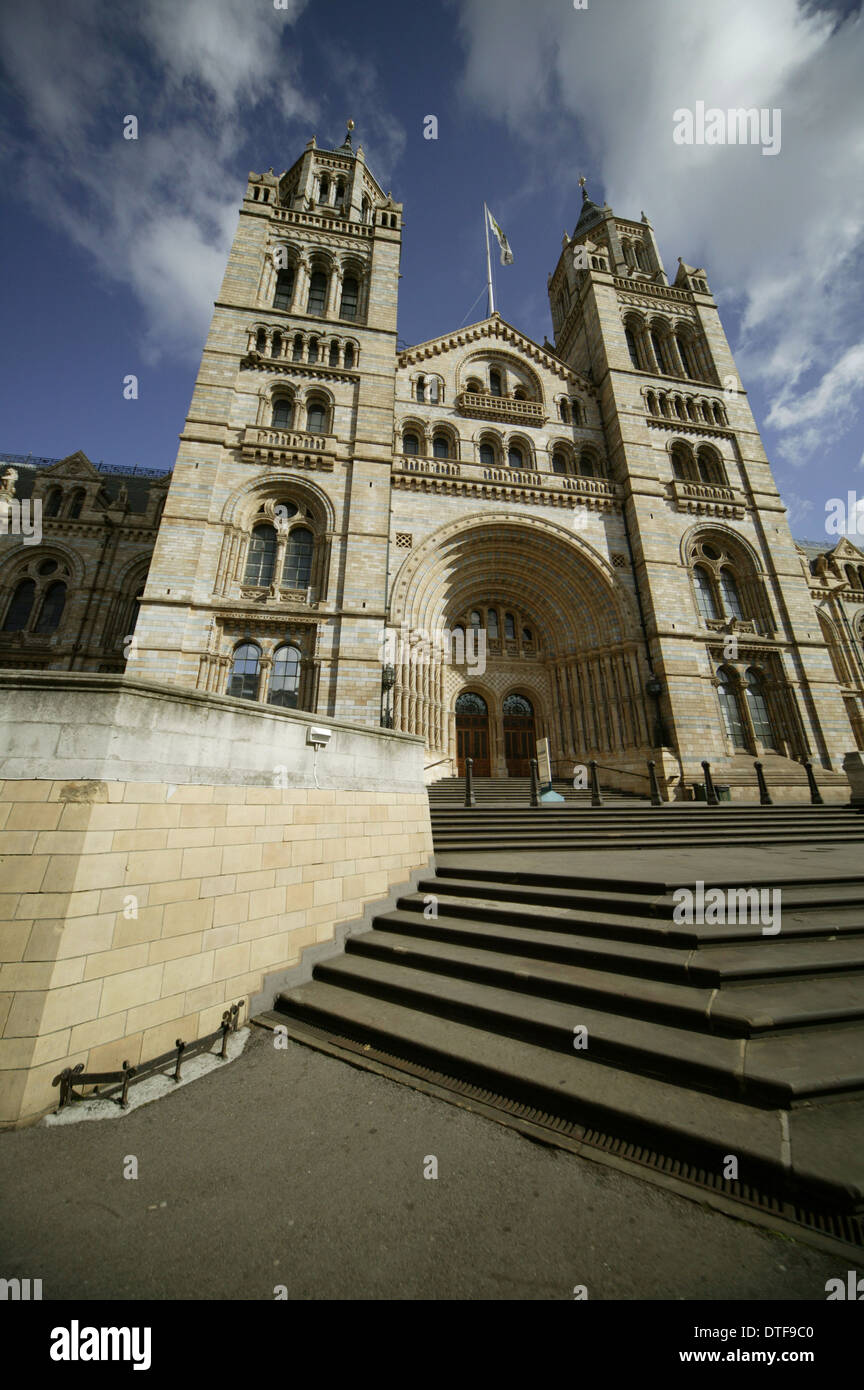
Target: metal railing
(120,1081)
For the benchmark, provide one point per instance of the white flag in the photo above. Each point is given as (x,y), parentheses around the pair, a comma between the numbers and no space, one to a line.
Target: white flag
(506,253)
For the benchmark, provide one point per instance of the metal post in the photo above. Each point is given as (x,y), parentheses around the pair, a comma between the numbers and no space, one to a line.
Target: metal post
(764,794)
(226,1029)
(128,1073)
(656,798)
(180,1045)
(815,794)
(596,798)
(710,793)
(535,783)
(470,798)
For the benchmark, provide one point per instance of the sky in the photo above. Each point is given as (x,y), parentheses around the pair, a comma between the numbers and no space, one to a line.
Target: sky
(114,249)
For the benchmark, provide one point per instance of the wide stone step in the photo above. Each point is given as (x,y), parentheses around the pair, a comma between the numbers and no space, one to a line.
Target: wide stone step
(813,1150)
(773,1070)
(733,1011)
(709,967)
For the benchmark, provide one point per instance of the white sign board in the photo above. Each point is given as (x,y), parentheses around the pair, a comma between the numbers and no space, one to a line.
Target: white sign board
(544,765)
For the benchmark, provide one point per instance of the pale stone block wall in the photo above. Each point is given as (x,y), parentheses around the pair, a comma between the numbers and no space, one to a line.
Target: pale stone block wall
(135,906)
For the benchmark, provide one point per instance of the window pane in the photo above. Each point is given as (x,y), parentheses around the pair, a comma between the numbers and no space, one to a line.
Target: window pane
(18,614)
(243,682)
(729,589)
(441,447)
(492,623)
(731,714)
(410,444)
(487,454)
(350,296)
(285,678)
(514,458)
(52,608)
(284,289)
(509,625)
(704,593)
(315,419)
(317,293)
(282,414)
(298,559)
(759,711)
(559,463)
(631,348)
(495,383)
(261,556)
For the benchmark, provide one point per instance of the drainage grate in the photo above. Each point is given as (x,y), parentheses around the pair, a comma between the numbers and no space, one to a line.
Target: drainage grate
(836,1225)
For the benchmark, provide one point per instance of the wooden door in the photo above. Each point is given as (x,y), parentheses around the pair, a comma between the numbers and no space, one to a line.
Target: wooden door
(519,736)
(472,734)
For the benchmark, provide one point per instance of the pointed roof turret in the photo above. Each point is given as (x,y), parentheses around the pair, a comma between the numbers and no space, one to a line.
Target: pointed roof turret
(589,210)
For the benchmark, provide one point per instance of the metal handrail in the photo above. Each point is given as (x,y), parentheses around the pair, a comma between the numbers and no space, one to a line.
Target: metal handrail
(623,772)
(438,764)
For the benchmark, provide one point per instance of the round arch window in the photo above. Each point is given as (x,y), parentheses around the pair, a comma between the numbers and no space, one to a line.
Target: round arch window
(470,703)
(519,705)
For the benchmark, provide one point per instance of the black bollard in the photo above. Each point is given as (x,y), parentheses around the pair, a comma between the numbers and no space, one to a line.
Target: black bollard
(710,793)
(470,798)
(535,783)
(596,798)
(815,794)
(764,794)
(656,798)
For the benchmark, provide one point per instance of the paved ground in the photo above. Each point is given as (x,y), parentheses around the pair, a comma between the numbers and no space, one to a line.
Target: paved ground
(291,1167)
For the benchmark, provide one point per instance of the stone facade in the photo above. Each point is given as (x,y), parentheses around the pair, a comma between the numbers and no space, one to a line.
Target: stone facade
(580,540)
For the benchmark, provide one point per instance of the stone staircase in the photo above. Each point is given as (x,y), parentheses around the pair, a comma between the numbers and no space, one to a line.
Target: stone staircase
(701,1041)
(516,791)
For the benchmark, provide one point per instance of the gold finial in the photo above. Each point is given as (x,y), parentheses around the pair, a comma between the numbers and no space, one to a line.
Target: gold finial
(350,125)
(581,180)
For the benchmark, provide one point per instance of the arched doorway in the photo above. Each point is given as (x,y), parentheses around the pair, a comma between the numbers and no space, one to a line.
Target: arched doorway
(472,733)
(518,735)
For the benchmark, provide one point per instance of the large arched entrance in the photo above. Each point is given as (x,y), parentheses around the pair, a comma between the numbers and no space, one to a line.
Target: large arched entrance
(519,735)
(516,606)
(472,733)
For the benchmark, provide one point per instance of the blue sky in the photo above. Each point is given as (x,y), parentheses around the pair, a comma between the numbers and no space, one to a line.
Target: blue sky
(114,250)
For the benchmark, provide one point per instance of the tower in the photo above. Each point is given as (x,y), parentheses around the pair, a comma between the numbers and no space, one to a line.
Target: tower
(267,580)
(737,656)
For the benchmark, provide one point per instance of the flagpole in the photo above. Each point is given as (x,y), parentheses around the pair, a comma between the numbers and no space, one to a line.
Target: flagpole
(488,262)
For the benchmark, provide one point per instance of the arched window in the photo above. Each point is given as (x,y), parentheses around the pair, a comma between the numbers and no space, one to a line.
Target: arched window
(243,681)
(684,354)
(509,626)
(641,259)
(52,608)
(350,297)
(559,462)
(474,385)
(564,411)
(515,457)
(633,350)
(365,209)
(520,394)
(719,414)
(729,590)
(297,354)
(487,454)
(298,559)
(469,703)
(527,635)
(316,418)
(283,413)
(323,189)
(313,349)
(710,468)
(495,382)
(440,446)
(334,354)
(284,289)
(588,465)
(410,443)
(492,623)
(680,462)
(285,678)
(19,610)
(433,391)
(659,353)
(519,705)
(317,300)
(54,501)
(576,412)
(851,577)
(758,708)
(276,345)
(730,710)
(420,390)
(261,556)
(349,354)
(679,408)
(77,503)
(705,600)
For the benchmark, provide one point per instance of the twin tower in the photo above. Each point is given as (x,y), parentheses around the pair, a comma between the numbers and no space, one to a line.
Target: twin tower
(593,523)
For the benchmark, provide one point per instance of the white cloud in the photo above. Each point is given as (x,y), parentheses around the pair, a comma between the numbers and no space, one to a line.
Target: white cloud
(157,213)
(780,236)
